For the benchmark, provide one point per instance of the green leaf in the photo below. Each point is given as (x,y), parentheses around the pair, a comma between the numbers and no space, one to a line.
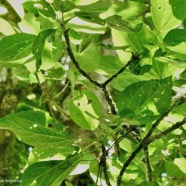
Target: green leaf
(160,68)
(148,38)
(182,108)
(16,46)
(178,8)
(96,8)
(145,183)
(91,17)
(180,49)
(173,170)
(86,26)
(43,151)
(85,109)
(118,23)
(56,72)
(41,7)
(175,40)
(167,61)
(89,58)
(83,165)
(174,55)
(184,23)
(31,6)
(51,54)
(39,44)
(163,17)
(140,1)
(146,99)
(33,128)
(175,37)
(69,184)
(126,9)
(126,145)
(181,163)
(50,172)
(136,41)
(46,23)
(120,38)
(21,72)
(64,6)
(109,65)
(127,78)
(140,66)
(133,38)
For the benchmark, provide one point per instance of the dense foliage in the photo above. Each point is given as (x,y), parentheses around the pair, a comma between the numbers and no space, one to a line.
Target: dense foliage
(94,91)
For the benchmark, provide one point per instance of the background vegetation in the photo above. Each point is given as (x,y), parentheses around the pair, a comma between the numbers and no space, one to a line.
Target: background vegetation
(93,92)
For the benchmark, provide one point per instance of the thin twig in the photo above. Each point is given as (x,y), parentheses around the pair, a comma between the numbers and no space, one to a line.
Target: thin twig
(119,139)
(98,174)
(180,146)
(134,57)
(49,98)
(67,83)
(59,109)
(135,135)
(39,83)
(147,163)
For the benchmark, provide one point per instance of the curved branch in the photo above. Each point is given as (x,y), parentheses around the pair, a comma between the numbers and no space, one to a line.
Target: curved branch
(167,131)
(71,55)
(87,76)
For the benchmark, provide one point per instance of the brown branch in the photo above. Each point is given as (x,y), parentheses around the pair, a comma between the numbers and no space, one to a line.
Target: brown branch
(167,131)
(145,140)
(103,164)
(71,55)
(127,163)
(110,101)
(87,76)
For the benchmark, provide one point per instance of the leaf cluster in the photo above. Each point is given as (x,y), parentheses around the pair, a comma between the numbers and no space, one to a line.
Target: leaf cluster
(110,90)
